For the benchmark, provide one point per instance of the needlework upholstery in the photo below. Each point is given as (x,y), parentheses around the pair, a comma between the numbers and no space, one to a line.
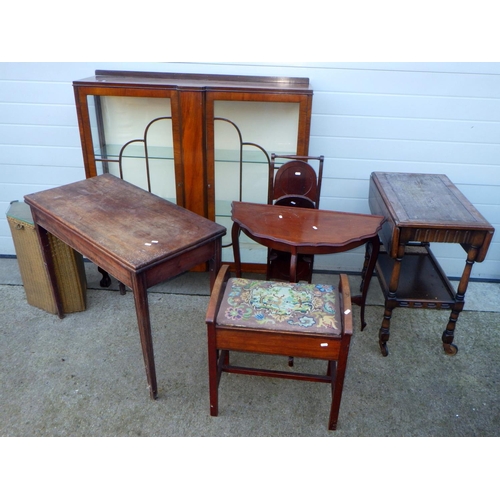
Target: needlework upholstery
(271,305)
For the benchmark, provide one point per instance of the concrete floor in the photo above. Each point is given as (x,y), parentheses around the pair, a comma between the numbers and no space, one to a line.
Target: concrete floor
(84,375)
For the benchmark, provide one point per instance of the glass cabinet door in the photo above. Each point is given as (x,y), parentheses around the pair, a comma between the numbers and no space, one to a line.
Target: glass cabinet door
(132,138)
(245,134)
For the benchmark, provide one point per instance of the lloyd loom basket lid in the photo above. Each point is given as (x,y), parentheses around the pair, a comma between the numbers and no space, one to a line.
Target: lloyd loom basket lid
(20,211)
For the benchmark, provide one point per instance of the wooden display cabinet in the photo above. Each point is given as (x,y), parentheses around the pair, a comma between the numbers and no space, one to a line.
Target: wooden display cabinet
(201,141)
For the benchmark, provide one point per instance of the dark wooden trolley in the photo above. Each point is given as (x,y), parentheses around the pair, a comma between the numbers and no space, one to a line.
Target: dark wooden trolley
(420,209)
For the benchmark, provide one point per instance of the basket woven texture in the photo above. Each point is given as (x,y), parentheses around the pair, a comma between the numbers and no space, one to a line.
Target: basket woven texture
(69,268)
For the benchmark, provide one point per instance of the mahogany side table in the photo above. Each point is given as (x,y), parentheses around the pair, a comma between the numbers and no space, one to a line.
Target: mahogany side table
(424,208)
(137,237)
(306,231)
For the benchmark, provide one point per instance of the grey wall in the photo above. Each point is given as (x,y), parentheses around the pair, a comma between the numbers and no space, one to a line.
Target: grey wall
(411,117)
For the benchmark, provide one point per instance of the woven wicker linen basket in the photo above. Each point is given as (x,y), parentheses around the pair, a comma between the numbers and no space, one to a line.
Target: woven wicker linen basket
(70,271)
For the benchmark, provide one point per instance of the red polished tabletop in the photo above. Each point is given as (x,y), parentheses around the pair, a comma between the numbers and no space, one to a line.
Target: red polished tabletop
(125,222)
(305,227)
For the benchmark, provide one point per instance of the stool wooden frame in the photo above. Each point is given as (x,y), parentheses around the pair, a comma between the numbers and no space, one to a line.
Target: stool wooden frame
(332,348)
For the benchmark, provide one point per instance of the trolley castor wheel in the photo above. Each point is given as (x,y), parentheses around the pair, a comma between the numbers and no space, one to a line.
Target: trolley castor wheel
(450,349)
(384,349)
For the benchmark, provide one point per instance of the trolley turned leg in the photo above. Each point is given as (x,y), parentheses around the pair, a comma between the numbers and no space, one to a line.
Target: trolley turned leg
(449,334)
(390,302)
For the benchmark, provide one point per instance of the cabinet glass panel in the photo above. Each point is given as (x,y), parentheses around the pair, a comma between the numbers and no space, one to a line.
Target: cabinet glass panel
(132,139)
(245,135)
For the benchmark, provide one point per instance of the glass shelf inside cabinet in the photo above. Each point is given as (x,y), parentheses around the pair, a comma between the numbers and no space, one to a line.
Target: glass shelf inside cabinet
(112,151)
(255,156)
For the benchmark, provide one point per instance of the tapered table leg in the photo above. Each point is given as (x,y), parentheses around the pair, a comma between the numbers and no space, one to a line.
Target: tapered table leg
(215,262)
(144,323)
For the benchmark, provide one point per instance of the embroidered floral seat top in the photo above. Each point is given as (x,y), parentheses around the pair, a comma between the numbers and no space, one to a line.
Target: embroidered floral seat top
(271,305)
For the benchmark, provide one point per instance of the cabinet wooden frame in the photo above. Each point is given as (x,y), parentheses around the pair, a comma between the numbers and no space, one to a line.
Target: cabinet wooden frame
(192,99)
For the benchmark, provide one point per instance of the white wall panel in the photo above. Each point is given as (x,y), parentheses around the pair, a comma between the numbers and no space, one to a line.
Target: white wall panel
(49,155)
(405,117)
(405,150)
(406,106)
(459,174)
(434,130)
(38,114)
(39,135)
(38,174)
(36,92)
(406,82)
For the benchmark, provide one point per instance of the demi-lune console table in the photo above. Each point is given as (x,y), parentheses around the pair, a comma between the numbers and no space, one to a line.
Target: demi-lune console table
(310,232)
